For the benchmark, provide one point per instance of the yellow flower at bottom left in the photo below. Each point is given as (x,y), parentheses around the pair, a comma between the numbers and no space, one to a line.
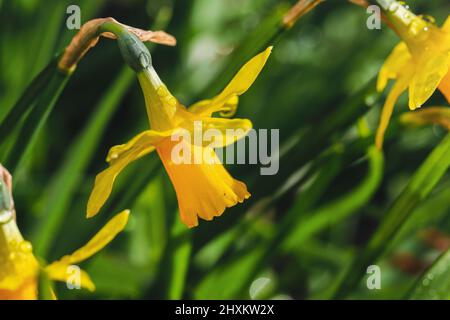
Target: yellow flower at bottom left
(20,270)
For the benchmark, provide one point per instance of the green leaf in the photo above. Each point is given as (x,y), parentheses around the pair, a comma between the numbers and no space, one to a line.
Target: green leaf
(179,260)
(435,282)
(36,120)
(67,178)
(337,210)
(421,184)
(25,102)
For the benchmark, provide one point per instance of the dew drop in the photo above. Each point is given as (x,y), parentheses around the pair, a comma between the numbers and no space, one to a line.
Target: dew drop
(26,247)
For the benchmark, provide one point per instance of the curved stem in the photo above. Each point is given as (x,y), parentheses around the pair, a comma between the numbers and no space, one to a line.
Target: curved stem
(420,186)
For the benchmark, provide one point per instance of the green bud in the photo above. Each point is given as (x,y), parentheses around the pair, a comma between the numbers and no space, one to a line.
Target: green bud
(133,50)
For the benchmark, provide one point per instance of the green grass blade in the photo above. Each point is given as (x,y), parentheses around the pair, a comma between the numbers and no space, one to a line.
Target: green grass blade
(36,120)
(78,156)
(25,103)
(435,282)
(342,208)
(421,184)
(180,261)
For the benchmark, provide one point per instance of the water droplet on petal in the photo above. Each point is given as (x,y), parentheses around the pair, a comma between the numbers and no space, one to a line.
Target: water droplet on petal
(26,247)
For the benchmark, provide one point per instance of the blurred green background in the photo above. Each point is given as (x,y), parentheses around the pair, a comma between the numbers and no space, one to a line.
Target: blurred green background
(316,85)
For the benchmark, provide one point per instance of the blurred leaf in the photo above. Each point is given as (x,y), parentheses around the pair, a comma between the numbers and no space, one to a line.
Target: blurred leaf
(435,282)
(150,233)
(115,277)
(337,210)
(68,177)
(36,120)
(178,264)
(419,187)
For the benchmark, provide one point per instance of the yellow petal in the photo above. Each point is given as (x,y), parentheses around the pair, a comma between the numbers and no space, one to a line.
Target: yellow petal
(395,64)
(203,190)
(17,262)
(63,272)
(231,130)
(444,86)
(26,291)
(430,115)
(120,157)
(205,108)
(432,68)
(399,87)
(99,241)
(60,270)
(446,26)
(150,137)
(238,85)
(217,132)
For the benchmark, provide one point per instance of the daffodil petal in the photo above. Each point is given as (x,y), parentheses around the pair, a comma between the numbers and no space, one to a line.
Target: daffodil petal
(444,86)
(446,26)
(120,157)
(238,86)
(224,132)
(427,78)
(17,262)
(26,291)
(395,64)
(60,270)
(99,241)
(399,87)
(63,272)
(203,190)
(205,108)
(150,137)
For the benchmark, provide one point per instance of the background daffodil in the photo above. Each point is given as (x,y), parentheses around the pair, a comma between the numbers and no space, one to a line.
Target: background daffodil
(203,189)
(20,270)
(420,62)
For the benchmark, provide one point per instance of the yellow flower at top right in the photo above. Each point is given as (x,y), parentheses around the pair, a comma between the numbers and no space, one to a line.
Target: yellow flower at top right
(420,63)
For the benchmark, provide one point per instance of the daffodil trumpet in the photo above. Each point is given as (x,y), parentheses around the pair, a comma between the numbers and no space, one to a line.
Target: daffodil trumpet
(420,63)
(20,269)
(203,189)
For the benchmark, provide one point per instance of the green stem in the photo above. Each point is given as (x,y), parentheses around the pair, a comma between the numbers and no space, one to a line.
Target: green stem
(420,186)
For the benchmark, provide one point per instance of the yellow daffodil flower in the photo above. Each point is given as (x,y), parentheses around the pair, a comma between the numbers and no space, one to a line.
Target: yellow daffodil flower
(19,269)
(203,189)
(419,63)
